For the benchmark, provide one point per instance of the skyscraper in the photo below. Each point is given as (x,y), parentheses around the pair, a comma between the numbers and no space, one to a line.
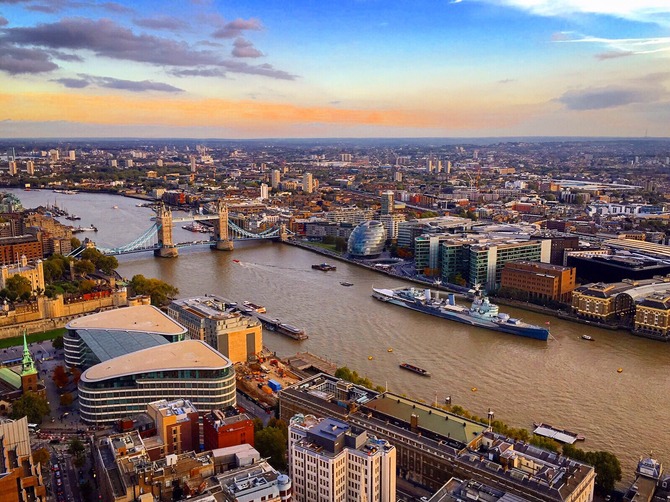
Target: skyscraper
(264,191)
(12,168)
(72,155)
(30,167)
(193,166)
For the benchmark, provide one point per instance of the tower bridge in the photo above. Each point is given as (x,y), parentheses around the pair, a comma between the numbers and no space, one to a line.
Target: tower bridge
(159,239)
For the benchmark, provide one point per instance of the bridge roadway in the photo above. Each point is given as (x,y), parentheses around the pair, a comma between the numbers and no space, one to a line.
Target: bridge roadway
(179,245)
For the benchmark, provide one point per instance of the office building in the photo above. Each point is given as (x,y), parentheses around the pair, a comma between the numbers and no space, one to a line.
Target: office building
(538,281)
(177,425)
(72,155)
(27,245)
(258,482)
(307,183)
(129,163)
(211,318)
(351,214)
(96,338)
(652,316)
(21,478)
(222,429)
(391,223)
(408,231)
(457,490)
(367,240)
(333,461)
(433,445)
(123,386)
(30,168)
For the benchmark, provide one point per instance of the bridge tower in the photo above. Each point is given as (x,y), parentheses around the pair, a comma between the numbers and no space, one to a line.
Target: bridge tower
(283,234)
(166,247)
(222,241)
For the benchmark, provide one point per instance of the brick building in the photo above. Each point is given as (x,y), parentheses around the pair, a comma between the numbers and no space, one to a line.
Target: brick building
(222,431)
(541,281)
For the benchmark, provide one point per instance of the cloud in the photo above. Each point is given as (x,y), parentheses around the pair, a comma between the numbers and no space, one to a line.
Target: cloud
(235,28)
(598,98)
(199,72)
(85,80)
(3,21)
(646,11)
(16,60)
(623,46)
(108,39)
(242,48)
(266,70)
(613,55)
(115,7)
(161,23)
(73,83)
(506,81)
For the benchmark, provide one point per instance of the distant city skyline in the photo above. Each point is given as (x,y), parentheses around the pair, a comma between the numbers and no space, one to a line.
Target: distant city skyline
(355,68)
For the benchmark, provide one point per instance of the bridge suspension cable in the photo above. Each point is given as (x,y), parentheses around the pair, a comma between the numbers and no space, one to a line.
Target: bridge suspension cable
(144,241)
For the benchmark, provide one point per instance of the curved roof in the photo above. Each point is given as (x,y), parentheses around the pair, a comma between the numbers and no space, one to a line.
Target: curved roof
(145,318)
(107,344)
(186,355)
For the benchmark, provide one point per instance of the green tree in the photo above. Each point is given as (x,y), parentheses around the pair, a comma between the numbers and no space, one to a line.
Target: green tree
(75,243)
(78,451)
(58,342)
(102,262)
(18,285)
(545,443)
(84,267)
(606,465)
(160,292)
(86,286)
(53,270)
(258,425)
(30,405)
(272,444)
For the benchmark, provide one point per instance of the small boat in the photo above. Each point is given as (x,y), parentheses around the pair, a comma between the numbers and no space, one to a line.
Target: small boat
(236,261)
(415,369)
(347,284)
(389,350)
(256,308)
(560,435)
(324,267)
(588,338)
(115,207)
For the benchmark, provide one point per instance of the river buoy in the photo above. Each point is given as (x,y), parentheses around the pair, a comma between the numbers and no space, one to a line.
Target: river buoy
(620,370)
(369,358)
(474,389)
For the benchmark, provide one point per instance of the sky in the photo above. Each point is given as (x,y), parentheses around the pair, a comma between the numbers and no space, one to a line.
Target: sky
(348,68)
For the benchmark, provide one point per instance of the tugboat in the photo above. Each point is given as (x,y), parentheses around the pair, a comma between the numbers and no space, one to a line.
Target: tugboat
(588,338)
(415,369)
(347,284)
(324,267)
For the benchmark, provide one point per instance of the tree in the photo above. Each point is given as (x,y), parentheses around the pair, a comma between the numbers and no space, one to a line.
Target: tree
(58,343)
(84,267)
(545,443)
(41,456)
(78,451)
(75,243)
(160,292)
(258,424)
(19,285)
(102,262)
(66,399)
(30,405)
(60,377)
(271,443)
(86,286)
(76,375)
(606,465)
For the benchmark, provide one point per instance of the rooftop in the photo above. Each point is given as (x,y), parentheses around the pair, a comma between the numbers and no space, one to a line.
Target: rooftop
(186,355)
(145,318)
(107,344)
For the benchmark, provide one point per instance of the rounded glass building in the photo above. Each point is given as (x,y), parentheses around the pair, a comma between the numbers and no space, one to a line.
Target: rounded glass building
(367,240)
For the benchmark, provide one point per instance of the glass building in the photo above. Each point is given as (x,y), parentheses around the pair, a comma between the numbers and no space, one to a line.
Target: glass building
(367,240)
(123,386)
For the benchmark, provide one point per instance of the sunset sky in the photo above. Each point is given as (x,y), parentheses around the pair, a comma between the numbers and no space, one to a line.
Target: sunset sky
(314,68)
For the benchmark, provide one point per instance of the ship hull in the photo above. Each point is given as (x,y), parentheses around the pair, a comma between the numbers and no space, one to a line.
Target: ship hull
(534,332)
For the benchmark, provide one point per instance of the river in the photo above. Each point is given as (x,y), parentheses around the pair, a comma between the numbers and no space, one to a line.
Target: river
(566,382)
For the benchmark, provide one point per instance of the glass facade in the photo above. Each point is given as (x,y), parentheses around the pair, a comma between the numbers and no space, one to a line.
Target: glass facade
(367,240)
(118,397)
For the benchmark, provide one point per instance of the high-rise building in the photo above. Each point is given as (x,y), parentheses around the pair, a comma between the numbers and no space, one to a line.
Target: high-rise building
(276,178)
(13,170)
(30,167)
(21,478)
(129,163)
(387,202)
(113,163)
(448,167)
(307,183)
(159,163)
(193,165)
(345,157)
(397,176)
(264,191)
(72,155)
(331,460)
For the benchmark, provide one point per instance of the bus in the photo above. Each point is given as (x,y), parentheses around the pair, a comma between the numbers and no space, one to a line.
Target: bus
(33,428)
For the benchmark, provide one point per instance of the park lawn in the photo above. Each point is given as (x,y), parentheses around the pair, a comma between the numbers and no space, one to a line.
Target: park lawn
(33,337)
(329,247)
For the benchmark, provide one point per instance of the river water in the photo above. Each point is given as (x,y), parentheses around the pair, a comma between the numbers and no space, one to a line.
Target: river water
(566,382)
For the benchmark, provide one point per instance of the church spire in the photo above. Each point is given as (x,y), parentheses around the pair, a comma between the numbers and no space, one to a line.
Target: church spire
(27,364)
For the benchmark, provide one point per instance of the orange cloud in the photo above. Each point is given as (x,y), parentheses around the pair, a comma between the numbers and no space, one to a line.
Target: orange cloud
(131,110)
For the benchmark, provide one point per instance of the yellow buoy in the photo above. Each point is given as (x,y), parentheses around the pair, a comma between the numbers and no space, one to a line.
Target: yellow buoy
(474,389)
(390,350)
(369,358)
(620,370)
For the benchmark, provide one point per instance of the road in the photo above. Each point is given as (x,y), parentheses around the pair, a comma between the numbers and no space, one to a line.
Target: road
(253,409)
